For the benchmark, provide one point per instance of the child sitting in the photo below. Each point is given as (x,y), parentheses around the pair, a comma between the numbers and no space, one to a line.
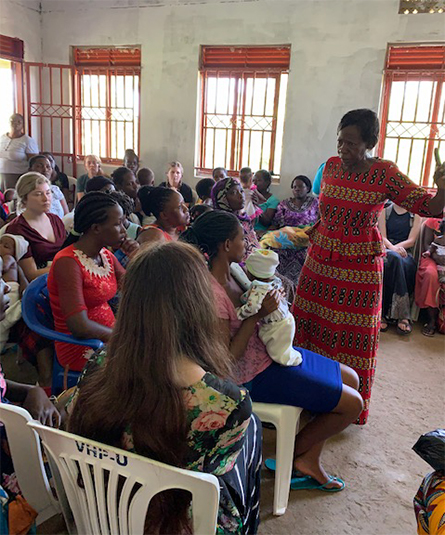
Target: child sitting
(437,252)
(251,196)
(204,190)
(146,177)
(12,249)
(276,330)
(198,210)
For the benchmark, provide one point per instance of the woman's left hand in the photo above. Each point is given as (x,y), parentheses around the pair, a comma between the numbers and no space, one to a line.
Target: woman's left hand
(130,247)
(439,176)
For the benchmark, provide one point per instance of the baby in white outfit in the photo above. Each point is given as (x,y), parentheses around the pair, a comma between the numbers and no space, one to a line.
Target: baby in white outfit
(276,330)
(12,249)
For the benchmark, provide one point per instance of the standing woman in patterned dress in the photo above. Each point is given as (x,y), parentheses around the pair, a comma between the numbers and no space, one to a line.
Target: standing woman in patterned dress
(338,301)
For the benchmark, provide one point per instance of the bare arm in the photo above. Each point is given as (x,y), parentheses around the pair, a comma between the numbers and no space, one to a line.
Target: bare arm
(237,344)
(64,205)
(382,228)
(82,327)
(414,233)
(30,269)
(267,217)
(35,401)
(150,235)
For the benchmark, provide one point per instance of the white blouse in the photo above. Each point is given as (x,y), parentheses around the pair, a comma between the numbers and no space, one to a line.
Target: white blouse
(13,153)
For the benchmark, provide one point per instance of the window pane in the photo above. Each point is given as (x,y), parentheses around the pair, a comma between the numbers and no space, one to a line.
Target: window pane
(6,83)
(411,132)
(253,98)
(110,114)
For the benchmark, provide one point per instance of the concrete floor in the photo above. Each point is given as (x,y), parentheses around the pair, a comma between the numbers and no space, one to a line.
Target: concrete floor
(381,471)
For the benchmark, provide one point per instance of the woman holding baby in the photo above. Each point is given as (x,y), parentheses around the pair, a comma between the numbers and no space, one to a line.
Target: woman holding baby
(320,385)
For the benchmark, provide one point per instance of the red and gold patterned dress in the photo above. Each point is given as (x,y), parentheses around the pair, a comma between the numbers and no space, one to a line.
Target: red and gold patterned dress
(338,301)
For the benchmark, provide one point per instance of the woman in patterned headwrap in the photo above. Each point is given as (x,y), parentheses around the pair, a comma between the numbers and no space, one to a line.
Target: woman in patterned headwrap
(228,195)
(338,303)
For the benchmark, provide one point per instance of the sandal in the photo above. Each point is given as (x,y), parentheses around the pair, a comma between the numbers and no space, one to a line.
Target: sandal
(384,326)
(428,331)
(407,324)
(309,483)
(271,465)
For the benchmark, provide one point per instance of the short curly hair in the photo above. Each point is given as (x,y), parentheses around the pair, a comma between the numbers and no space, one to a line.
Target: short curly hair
(366,121)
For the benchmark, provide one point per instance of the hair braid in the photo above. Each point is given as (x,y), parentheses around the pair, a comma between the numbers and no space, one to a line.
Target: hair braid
(92,208)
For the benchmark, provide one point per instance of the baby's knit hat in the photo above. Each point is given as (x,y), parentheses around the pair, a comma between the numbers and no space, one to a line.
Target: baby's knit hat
(21,245)
(262,263)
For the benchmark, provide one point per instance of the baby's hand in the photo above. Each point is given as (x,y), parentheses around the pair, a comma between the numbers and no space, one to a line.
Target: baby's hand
(426,254)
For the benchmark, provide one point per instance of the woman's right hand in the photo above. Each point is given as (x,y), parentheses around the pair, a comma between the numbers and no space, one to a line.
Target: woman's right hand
(270,304)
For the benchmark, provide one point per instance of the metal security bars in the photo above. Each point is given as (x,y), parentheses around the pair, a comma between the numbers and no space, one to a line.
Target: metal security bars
(413,110)
(107,101)
(243,93)
(108,112)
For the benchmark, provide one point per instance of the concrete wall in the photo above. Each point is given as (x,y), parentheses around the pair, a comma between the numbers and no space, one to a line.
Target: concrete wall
(338,51)
(22,20)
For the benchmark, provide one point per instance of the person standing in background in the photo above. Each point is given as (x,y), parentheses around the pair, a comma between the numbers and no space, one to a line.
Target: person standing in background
(16,148)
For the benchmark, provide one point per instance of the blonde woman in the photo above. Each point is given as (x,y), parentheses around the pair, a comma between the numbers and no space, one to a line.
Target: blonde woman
(43,230)
(175,172)
(93,168)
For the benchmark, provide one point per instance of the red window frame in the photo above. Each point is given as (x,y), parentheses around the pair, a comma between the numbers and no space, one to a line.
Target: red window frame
(239,65)
(111,63)
(408,63)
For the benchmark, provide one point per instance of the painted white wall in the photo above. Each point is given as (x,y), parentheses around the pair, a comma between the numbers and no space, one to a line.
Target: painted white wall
(22,20)
(338,51)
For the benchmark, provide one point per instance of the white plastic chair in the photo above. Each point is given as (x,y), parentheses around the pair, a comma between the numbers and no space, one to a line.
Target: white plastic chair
(285,419)
(118,485)
(26,453)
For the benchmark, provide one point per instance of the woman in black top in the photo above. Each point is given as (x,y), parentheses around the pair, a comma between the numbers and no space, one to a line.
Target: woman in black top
(175,173)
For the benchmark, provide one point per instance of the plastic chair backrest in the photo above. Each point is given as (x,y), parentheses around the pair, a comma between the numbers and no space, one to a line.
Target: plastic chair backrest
(36,312)
(117,486)
(26,454)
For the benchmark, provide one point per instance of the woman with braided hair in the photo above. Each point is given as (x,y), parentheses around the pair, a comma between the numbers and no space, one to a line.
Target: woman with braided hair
(168,207)
(84,276)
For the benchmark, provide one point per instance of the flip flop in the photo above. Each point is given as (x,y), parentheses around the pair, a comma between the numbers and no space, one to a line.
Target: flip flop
(271,464)
(428,331)
(384,329)
(407,323)
(309,483)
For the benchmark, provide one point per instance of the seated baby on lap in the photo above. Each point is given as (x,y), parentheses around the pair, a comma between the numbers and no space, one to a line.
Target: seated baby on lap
(277,330)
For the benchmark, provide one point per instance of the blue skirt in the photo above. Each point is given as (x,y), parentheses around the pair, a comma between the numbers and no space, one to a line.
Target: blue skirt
(314,385)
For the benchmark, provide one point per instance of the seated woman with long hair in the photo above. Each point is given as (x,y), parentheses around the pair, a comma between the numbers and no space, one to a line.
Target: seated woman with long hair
(164,392)
(318,384)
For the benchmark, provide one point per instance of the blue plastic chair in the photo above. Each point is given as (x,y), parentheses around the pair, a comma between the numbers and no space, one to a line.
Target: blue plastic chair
(37,314)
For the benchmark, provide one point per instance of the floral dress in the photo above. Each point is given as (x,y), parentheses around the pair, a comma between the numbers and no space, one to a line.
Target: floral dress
(224,439)
(288,214)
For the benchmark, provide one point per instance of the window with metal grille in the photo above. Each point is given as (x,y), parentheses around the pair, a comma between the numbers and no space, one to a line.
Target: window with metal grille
(108,101)
(413,109)
(243,96)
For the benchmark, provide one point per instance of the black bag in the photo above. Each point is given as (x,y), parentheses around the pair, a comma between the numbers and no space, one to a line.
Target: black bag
(431,447)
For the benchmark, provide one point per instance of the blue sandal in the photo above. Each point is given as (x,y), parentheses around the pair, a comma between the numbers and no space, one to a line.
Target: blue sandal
(271,464)
(309,483)
(299,481)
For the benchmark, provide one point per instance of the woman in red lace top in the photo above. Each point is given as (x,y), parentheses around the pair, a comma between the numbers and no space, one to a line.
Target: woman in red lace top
(85,276)
(338,301)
